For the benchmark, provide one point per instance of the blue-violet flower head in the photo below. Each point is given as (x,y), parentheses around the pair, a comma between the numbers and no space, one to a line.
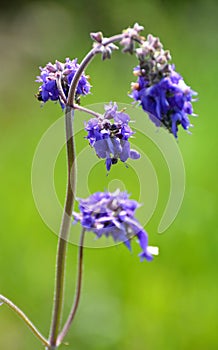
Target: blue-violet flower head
(110,138)
(160,90)
(113,214)
(58,76)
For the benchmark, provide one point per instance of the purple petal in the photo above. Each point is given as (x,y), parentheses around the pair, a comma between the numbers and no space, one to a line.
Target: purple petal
(128,244)
(124,155)
(101,148)
(143,241)
(108,164)
(123,117)
(134,154)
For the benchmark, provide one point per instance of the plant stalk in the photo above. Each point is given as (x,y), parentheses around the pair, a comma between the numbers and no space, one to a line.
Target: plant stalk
(64,230)
(77,294)
(22,315)
(54,339)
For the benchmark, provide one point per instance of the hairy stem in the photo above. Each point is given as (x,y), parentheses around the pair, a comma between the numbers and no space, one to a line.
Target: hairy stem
(21,314)
(64,231)
(77,294)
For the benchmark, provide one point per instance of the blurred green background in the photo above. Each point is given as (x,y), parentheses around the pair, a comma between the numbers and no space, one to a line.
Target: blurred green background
(171,303)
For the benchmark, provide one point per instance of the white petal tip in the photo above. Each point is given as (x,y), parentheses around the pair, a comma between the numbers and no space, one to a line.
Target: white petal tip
(153,250)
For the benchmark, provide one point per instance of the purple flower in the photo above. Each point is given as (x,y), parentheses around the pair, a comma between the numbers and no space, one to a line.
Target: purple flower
(63,73)
(161,91)
(110,138)
(113,214)
(168,102)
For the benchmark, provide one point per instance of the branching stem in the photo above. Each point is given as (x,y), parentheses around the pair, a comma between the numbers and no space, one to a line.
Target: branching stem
(55,339)
(65,228)
(22,315)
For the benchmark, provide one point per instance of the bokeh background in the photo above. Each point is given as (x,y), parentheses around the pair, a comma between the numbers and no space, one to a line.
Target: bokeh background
(171,303)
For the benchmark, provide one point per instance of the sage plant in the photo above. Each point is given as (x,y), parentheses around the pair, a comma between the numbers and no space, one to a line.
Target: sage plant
(163,96)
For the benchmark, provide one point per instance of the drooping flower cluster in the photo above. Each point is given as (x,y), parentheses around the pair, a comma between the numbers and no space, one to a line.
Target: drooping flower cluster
(113,214)
(161,91)
(110,139)
(56,79)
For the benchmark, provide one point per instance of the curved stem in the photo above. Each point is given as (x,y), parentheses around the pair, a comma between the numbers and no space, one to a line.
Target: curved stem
(77,294)
(21,314)
(113,39)
(78,74)
(60,89)
(66,219)
(85,62)
(64,230)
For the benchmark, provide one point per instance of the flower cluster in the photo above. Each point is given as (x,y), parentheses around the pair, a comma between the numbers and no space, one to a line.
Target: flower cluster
(113,214)
(110,139)
(56,79)
(161,91)
(102,46)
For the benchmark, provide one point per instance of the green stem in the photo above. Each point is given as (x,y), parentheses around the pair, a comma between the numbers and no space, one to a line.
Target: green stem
(64,231)
(21,314)
(77,294)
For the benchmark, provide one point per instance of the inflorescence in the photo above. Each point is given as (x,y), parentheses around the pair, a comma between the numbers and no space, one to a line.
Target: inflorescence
(162,94)
(56,79)
(110,138)
(113,214)
(161,91)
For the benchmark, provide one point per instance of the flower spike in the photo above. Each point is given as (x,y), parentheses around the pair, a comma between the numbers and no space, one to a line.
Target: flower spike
(56,79)
(161,91)
(113,214)
(110,139)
